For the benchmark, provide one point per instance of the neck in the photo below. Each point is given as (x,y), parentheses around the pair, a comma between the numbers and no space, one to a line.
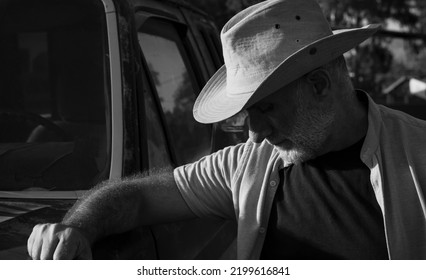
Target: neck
(351,122)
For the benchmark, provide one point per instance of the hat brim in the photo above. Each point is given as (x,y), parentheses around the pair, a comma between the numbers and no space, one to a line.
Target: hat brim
(214,104)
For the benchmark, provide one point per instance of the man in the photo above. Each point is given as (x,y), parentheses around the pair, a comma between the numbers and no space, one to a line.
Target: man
(326,174)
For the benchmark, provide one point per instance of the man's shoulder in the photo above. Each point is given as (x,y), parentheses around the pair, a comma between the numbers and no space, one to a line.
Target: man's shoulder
(248,153)
(263,149)
(250,148)
(395,117)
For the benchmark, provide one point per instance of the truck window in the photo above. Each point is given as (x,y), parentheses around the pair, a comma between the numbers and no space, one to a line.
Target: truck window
(171,72)
(158,149)
(212,43)
(53,92)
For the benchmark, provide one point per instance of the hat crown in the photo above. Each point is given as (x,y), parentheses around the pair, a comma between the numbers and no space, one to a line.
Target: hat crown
(266,47)
(258,39)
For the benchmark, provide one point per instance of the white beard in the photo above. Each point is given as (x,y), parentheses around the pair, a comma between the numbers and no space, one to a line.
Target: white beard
(308,134)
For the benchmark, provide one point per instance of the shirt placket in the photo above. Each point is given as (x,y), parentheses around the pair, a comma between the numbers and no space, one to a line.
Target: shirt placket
(270,191)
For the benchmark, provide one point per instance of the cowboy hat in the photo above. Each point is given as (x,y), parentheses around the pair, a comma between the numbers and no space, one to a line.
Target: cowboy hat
(267,46)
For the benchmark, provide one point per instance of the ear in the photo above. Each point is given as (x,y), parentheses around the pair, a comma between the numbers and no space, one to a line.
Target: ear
(320,80)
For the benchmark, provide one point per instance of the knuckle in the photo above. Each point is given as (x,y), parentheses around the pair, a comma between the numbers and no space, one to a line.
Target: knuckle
(37,228)
(41,228)
(53,228)
(68,233)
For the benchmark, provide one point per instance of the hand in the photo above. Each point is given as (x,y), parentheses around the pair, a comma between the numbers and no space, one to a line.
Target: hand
(57,241)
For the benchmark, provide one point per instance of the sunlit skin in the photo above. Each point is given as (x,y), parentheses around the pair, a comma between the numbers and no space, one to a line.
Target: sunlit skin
(307,118)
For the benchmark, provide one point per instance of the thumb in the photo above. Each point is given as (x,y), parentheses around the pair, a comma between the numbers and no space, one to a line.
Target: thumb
(72,245)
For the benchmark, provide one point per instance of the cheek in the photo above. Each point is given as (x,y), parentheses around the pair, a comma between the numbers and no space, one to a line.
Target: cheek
(283,120)
(285,112)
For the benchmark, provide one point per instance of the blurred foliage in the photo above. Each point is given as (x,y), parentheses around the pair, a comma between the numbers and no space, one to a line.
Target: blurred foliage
(354,13)
(386,58)
(381,60)
(340,13)
(222,10)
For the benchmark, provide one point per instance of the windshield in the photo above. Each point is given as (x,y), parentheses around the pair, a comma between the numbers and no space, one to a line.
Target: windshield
(53,95)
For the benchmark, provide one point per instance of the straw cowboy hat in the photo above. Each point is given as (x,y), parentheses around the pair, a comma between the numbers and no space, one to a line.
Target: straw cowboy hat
(266,47)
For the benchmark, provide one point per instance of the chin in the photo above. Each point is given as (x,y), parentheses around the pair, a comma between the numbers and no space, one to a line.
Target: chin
(294,156)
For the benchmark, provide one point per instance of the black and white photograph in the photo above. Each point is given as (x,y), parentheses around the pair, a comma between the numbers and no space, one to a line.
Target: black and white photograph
(221,130)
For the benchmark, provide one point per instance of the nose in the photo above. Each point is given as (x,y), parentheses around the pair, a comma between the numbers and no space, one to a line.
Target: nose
(259,127)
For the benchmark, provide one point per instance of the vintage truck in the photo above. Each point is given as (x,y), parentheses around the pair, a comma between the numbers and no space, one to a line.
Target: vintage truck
(92,90)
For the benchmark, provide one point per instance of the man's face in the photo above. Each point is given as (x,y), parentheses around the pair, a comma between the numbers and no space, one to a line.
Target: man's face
(292,120)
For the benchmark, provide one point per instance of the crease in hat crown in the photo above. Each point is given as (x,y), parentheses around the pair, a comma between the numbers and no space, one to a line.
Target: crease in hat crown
(258,39)
(266,47)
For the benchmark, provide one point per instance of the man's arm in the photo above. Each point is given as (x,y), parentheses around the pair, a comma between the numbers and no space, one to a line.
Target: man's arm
(112,207)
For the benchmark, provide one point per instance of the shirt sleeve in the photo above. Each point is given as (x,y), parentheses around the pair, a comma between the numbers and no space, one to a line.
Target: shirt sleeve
(206,185)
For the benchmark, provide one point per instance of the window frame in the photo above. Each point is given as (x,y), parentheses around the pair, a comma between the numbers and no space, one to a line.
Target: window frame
(142,17)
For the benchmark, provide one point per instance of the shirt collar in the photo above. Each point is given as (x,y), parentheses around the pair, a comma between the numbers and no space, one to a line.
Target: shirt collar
(371,142)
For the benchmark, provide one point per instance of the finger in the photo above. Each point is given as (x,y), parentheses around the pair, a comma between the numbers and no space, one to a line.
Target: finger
(30,243)
(37,240)
(64,251)
(84,251)
(50,242)
(72,245)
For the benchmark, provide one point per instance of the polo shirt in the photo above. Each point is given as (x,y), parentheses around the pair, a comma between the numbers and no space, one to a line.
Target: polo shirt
(325,209)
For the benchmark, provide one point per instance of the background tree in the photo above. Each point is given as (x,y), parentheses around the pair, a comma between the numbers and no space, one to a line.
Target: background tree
(378,63)
(222,10)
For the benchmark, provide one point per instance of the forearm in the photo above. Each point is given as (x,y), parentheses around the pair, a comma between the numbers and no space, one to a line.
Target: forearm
(118,206)
(112,207)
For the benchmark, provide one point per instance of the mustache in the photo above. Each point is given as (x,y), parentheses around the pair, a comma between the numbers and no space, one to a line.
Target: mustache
(276,140)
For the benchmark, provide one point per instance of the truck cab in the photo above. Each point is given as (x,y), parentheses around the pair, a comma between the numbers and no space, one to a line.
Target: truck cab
(92,90)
